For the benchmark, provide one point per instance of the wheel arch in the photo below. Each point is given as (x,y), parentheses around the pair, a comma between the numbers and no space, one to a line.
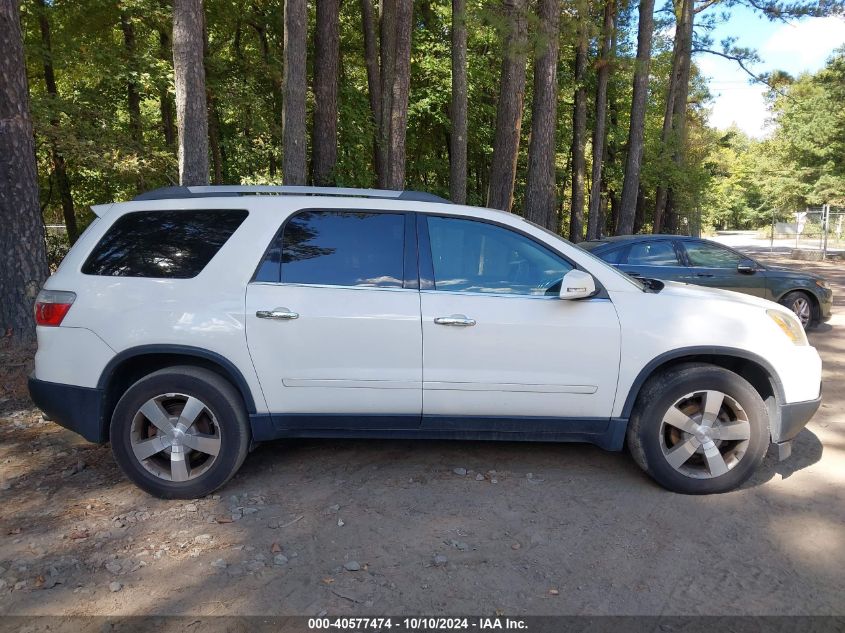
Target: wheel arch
(754,368)
(815,304)
(133,364)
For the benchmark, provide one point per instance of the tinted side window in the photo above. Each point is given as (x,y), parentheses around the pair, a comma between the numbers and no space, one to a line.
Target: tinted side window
(341,248)
(162,244)
(474,256)
(652,254)
(614,256)
(711,256)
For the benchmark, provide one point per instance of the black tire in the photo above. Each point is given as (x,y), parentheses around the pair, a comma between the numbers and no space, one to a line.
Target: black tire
(221,400)
(661,392)
(792,300)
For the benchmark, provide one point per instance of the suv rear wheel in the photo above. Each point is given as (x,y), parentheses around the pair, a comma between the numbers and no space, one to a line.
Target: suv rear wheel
(180,432)
(699,429)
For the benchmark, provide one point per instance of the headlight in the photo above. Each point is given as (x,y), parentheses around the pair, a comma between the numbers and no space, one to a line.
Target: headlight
(790,326)
(821,283)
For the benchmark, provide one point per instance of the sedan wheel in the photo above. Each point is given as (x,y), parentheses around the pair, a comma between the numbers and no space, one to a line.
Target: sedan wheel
(803,310)
(802,305)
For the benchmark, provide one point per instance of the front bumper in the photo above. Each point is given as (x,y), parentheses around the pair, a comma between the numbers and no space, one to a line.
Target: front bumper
(794,417)
(79,409)
(825,304)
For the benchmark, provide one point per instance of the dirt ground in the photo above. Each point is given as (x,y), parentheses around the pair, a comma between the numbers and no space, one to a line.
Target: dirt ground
(390,527)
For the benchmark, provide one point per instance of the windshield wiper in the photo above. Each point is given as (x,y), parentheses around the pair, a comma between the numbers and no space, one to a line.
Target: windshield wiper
(651,285)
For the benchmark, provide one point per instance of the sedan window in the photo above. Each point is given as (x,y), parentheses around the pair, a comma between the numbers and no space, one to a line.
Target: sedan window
(652,254)
(711,256)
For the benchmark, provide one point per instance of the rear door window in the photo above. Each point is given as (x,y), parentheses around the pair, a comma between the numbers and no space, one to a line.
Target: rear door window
(162,244)
(338,248)
(652,254)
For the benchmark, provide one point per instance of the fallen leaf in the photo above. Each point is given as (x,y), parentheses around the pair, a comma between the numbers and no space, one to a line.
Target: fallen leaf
(328,580)
(275,548)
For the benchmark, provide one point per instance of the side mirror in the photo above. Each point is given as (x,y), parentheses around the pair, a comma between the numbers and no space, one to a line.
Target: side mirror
(747,267)
(576,284)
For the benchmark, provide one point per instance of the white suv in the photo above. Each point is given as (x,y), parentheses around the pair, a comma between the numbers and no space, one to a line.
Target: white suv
(190,323)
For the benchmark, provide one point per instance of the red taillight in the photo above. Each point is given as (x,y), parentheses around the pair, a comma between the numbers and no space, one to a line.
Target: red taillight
(51,306)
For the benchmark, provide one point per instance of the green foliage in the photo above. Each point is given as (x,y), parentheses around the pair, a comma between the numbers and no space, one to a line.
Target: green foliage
(734,181)
(799,165)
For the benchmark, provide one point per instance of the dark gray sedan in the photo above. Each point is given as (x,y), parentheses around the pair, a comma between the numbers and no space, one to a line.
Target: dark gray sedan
(705,263)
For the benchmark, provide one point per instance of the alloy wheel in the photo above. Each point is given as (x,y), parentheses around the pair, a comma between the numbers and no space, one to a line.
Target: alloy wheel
(802,309)
(704,434)
(175,437)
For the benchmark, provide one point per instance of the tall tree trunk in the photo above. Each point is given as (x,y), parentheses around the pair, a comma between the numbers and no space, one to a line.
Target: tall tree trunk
(387,55)
(668,114)
(540,198)
(639,214)
(371,59)
(400,92)
(165,101)
(293,103)
(605,63)
(191,109)
(133,90)
(579,133)
(275,88)
(326,68)
(215,143)
(679,109)
(23,259)
(614,211)
(509,109)
(633,162)
(458,110)
(56,157)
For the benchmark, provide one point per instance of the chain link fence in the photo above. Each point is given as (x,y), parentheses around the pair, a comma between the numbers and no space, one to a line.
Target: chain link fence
(818,230)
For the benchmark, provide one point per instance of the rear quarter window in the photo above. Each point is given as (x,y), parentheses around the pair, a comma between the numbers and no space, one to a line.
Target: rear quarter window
(162,244)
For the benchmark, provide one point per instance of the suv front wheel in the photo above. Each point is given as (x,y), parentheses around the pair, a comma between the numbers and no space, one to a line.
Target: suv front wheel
(699,429)
(180,432)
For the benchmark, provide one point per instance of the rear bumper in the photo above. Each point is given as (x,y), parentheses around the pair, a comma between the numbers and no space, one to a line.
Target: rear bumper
(79,409)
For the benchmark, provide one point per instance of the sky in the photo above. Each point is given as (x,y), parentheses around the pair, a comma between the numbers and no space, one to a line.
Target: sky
(794,47)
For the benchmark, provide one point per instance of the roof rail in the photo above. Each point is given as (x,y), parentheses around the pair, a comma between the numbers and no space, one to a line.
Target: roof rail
(215,191)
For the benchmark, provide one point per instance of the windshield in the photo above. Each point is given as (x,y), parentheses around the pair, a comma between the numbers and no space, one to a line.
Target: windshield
(598,261)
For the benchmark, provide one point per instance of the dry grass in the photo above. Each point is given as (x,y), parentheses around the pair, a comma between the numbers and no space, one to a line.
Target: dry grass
(16,364)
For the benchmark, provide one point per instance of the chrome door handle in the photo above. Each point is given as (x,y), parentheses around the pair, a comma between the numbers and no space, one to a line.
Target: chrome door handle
(280,314)
(456,319)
